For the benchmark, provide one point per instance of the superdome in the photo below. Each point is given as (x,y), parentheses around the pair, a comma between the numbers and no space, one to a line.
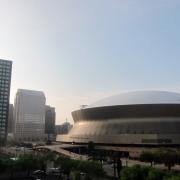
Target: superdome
(139,97)
(142,118)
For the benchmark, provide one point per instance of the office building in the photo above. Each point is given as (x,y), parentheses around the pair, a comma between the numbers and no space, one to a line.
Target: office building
(50,118)
(29,115)
(5,82)
(10,119)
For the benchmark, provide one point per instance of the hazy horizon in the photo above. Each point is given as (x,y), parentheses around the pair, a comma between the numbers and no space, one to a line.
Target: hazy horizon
(78,52)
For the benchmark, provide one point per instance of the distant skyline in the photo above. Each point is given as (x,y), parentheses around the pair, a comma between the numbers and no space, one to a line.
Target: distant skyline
(78,52)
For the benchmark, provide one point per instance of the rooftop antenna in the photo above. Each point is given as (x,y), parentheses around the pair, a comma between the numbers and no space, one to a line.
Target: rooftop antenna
(83,106)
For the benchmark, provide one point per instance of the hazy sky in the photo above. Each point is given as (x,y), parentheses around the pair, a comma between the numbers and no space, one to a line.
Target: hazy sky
(79,51)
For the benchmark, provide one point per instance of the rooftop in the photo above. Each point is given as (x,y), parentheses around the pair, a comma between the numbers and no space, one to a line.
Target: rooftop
(139,97)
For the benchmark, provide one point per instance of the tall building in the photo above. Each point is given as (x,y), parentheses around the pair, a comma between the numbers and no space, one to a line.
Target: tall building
(10,118)
(29,115)
(5,82)
(50,118)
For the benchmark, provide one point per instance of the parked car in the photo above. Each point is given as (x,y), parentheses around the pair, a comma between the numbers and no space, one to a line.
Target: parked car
(38,174)
(54,170)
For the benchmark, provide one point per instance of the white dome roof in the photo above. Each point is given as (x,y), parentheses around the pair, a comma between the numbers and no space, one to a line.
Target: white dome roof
(139,97)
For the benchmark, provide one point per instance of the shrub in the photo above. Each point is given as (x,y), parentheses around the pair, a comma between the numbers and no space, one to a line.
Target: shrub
(147,157)
(134,173)
(168,157)
(175,177)
(141,173)
(92,168)
(155,174)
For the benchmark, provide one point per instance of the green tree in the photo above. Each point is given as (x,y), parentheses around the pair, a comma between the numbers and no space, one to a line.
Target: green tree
(141,173)
(134,173)
(147,157)
(26,163)
(66,164)
(49,156)
(173,177)
(155,174)
(168,157)
(91,150)
(91,168)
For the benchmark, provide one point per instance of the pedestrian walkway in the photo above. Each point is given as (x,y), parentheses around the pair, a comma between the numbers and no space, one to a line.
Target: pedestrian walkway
(59,149)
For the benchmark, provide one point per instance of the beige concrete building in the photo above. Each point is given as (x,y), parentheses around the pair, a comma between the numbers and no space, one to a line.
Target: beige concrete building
(29,115)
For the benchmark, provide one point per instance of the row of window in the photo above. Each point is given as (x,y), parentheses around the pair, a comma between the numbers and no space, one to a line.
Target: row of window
(3,120)
(5,69)
(7,66)
(3,105)
(3,75)
(110,133)
(105,132)
(4,85)
(5,78)
(4,93)
(3,100)
(3,96)
(3,89)
(5,62)
(2,112)
(2,133)
(31,139)
(3,108)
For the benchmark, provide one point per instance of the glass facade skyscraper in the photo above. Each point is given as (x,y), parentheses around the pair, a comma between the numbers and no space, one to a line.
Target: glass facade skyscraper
(5,82)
